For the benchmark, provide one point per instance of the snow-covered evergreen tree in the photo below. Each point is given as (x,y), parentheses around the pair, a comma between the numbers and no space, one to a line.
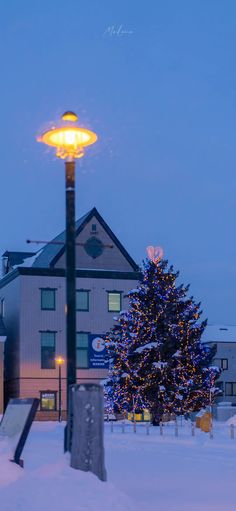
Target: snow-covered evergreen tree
(157,360)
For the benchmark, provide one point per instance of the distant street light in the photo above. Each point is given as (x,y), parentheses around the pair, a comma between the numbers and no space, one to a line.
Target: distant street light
(59,361)
(69,140)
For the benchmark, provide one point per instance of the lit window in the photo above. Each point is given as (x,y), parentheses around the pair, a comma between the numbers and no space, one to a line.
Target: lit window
(48,350)
(48,299)
(114,301)
(230,389)
(82,350)
(82,300)
(48,401)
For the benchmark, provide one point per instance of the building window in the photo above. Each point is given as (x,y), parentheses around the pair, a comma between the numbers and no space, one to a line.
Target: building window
(48,299)
(48,401)
(48,350)
(82,350)
(220,385)
(82,300)
(94,227)
(2,308)
(222,363)
(114,301)
(230,388)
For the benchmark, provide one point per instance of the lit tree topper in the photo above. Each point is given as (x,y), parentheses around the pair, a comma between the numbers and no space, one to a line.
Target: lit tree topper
(155,254)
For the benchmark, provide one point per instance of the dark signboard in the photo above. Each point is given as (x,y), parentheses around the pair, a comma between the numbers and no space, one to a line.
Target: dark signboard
(87,446)
(16,424)
(97,352)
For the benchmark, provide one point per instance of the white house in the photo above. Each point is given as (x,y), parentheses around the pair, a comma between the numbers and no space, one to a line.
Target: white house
(32,294)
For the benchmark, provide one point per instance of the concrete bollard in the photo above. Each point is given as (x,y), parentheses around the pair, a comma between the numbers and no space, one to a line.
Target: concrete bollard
(232,431)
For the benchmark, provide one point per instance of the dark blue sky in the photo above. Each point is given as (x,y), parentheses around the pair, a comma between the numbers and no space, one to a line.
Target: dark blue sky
(162,99)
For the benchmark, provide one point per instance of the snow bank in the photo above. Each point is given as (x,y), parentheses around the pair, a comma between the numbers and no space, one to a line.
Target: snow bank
(145,472)
(48,483)
(58,487)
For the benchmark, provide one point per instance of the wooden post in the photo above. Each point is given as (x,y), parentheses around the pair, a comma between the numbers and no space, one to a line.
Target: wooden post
(123,426)
(211,432)
(134,425)
(176,428)
(232,431)
(147,428)
(111,426)
(161,428)
(192,428)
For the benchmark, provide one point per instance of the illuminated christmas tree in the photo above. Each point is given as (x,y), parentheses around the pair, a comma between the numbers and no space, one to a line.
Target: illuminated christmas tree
(157,360)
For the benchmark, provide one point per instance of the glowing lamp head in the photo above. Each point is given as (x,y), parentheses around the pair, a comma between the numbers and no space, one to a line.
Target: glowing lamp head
(59,360)
(68,138)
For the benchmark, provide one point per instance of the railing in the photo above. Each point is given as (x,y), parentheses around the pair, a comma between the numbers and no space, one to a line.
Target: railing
(177,428)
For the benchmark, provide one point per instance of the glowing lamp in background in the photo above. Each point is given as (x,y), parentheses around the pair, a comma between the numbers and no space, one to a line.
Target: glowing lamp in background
(59,360)
(68,138)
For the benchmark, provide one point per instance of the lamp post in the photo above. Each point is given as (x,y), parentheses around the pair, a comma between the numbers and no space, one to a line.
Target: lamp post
(59,361)
(69,139)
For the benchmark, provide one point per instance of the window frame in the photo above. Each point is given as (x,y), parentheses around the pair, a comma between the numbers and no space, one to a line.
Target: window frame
(41,392)
(41,350)
(88,299)
(78,349)
(232,383)
(220,385)
(221,363)
(41,298)
(114,292)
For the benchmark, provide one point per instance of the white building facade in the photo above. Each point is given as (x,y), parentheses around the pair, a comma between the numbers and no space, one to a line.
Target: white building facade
(224,336)
(34,295)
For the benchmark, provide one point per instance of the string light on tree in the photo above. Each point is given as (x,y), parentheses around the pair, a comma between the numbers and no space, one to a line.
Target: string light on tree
(157,360)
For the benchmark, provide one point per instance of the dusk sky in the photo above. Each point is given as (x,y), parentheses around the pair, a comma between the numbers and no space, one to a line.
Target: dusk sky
(156,81)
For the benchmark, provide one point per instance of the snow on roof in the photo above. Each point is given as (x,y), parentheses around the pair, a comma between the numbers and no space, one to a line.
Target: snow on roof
(219,333)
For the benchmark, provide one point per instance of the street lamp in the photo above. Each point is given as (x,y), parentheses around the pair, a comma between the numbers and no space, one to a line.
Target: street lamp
(69,139)
(59,361)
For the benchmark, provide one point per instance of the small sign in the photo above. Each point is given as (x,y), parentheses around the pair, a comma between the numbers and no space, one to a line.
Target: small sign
(16,424)
(97,352)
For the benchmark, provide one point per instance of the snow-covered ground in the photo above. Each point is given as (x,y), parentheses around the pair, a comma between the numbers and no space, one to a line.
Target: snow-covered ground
(145,472)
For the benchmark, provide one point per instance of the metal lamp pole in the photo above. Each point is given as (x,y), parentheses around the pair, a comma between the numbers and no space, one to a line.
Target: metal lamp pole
(69,139)
(59,361)
(70,274)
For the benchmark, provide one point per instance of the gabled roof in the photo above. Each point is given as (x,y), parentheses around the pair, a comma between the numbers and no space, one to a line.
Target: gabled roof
(219,333)
(3,332)
(15,258)
(50,254)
